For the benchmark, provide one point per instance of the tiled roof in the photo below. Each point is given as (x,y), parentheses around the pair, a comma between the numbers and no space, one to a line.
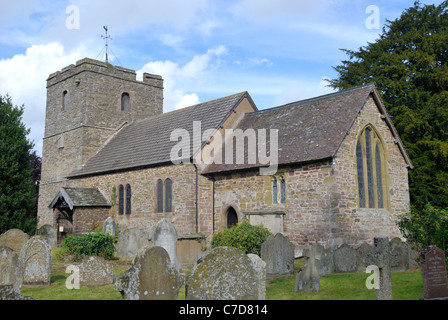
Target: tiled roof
(147,142)
(308,131)
(81,197)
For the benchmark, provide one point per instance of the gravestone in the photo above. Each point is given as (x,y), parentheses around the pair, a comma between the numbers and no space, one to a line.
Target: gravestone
(278,253)
(7,292)
(14,239)
(130,241)
(381,258)
(50,235)
(435,284)
(109,226)
(362,252)
(400,255)
(164,235)
(260,273)
(35,262)
(151,276)
(95,271)
(308,277)
(9,268)
(225,273)
(345,259)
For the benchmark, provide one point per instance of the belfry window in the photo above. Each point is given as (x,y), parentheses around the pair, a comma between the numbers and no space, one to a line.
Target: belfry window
(125,102)
(371,170)
(64,101)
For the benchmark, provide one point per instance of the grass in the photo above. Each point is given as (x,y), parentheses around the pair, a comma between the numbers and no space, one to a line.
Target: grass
(350,286)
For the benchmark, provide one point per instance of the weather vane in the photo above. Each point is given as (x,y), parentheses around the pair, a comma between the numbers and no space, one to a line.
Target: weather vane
(107,37)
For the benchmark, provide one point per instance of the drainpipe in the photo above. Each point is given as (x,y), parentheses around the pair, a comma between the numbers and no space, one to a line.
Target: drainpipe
(196,201)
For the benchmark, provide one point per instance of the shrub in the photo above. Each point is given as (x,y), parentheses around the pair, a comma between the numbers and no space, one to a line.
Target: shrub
(246,237)
(92,244)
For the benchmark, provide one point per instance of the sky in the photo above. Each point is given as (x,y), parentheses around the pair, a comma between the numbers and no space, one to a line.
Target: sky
(279,51)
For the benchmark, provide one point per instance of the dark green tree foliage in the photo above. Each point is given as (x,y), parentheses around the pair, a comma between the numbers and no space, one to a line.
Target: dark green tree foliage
(425,227)
(17,190)
(409,66)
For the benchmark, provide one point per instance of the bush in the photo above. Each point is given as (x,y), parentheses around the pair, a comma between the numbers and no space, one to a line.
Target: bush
(246,237)
(92,244)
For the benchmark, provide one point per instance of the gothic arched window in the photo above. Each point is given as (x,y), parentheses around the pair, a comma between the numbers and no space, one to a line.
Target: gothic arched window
(274,191)
(371,170)
(128,199)
(121,200)
(168,195)
(282,190)
(159,196)
(125,101)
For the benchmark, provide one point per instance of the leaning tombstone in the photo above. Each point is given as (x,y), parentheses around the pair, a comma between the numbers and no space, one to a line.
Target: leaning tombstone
(435,284)
(381,258)
(50,235)
(150,277)
(260,273)
(164,235)
(109,226)
(308,277)
(130,241)
(225,273)
(14,239)
(278,253)
(35,262)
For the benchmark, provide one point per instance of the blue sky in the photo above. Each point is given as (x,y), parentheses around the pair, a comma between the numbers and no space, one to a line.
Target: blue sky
(279,51)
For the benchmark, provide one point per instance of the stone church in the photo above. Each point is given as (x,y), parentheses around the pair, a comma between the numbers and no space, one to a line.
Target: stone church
(341,171)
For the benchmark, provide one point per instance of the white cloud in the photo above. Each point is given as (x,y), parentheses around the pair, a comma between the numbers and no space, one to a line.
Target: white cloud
(24,77)
(179,79)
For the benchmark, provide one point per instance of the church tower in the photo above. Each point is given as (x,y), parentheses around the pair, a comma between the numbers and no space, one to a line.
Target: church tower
(86,104)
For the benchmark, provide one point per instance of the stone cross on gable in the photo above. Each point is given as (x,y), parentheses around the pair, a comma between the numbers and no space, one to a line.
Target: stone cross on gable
(381,258)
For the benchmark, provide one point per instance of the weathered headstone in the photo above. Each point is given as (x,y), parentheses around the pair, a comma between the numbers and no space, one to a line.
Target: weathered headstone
(35,262)
(95,271)
(362,252)
(260,273)
(50,235)
(400,255)
(9,268)
(278,253)
(435,283)
(150,277)
(7,292)
(225,273)
(345,259)
(308,277)
(164,235)
(381,258)
(130,241)
(14,239)
(109,226)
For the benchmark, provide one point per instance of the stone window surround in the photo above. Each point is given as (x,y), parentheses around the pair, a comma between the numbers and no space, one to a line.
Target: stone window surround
(279,189)
(163,199)
(122,201)
(377,141)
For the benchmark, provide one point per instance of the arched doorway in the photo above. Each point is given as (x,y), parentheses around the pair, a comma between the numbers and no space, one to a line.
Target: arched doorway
(232,218)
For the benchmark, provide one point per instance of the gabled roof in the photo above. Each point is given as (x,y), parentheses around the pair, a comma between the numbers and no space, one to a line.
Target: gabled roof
(147,142)
(311,130)
(80,197)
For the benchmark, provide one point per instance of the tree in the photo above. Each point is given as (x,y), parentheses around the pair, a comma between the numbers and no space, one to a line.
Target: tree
(409,66)
(17,189)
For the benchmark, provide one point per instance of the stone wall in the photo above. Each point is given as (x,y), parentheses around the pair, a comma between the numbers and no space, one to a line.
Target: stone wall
(143,183)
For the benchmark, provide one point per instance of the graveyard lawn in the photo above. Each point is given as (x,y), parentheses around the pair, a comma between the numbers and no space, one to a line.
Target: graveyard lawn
(350,286)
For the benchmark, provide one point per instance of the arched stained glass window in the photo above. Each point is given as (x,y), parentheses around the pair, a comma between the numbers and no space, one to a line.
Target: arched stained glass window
(371,170)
